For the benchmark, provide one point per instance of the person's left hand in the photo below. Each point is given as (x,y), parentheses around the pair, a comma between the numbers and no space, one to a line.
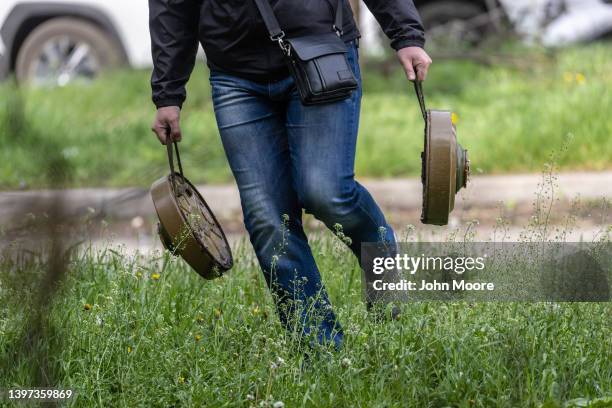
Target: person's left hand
(416,62)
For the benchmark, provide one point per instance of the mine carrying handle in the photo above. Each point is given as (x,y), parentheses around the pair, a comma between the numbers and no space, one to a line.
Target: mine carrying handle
(418,87)
(171,156)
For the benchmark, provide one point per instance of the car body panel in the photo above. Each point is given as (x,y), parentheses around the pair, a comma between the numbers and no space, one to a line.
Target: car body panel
(559,22)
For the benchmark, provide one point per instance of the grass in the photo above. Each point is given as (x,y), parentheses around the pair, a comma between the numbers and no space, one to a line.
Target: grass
(510,117)
(128,331)
(125,331)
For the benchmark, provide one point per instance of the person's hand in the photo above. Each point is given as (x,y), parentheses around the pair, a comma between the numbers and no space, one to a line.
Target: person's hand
(167,121)
(416,62)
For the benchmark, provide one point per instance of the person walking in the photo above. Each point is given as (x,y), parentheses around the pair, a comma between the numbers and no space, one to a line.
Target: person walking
(286,156)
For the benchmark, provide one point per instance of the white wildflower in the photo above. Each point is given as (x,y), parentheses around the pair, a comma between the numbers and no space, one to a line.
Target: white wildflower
(137,222)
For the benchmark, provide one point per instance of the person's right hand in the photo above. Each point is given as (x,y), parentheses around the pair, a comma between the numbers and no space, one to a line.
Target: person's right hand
(167,121)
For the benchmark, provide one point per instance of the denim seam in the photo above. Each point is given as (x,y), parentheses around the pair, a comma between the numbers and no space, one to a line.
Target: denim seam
(355,125)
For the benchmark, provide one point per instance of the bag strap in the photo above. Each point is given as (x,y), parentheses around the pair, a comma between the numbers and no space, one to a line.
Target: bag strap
(418,87)
(338,19)
(276,32)
(269,18)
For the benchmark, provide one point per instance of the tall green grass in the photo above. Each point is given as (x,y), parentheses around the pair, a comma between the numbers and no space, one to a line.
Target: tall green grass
(510,117)
(145,331)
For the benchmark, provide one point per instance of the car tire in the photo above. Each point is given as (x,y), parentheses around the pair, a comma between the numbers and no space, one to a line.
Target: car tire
(439,13)
(101,47)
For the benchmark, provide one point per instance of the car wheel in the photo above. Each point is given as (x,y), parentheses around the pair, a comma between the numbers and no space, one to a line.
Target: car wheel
(64,50)
(451,23)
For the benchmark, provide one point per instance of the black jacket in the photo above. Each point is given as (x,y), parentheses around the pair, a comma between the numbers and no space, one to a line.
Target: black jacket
(235,39)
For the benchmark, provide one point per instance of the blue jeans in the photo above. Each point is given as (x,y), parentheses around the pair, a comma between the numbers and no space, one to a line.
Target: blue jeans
(287,157)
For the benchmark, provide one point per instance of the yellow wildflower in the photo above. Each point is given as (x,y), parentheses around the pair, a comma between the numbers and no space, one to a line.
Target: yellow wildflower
(129,349)
(181,380)
(198,337)
(454,118)
(87,306)
(580,78)
(256,310)
(155,276)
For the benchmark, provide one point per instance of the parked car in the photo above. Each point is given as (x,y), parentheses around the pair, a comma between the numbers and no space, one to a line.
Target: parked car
(551,22)
(455,24)
(53,42)
(560,22)
(438,12)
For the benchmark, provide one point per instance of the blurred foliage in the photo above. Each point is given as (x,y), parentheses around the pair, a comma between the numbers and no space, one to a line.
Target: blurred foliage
(513,110)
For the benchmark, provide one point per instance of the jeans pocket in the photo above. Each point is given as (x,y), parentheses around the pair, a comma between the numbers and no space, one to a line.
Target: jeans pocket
(353,58)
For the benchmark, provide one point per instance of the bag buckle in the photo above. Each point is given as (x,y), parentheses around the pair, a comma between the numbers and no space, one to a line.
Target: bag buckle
(338,31)
(286,48)
(278,37)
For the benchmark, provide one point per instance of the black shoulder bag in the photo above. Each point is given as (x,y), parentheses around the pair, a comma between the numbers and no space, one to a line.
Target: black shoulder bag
(317,62)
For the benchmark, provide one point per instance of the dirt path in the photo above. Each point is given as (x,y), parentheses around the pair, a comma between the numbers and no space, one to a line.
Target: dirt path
(128,214)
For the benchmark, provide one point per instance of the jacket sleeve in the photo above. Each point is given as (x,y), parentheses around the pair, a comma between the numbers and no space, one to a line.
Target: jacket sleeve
(173,25)
(400,21)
